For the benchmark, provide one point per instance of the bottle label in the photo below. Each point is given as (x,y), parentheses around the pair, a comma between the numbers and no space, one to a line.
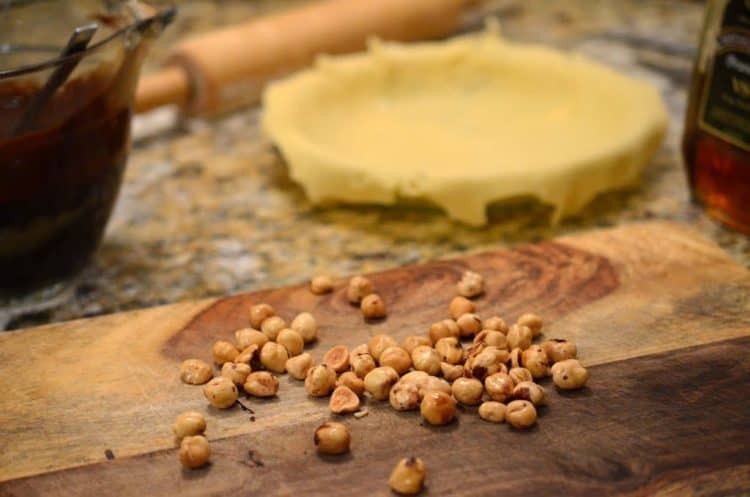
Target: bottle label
(725,105)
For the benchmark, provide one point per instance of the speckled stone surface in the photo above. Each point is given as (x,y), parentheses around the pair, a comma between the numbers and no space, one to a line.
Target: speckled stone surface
(207,209)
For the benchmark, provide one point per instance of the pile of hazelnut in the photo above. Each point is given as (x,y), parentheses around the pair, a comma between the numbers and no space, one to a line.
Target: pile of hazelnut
(431,372)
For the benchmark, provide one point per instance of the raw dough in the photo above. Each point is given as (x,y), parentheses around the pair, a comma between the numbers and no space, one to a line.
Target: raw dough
(463,123)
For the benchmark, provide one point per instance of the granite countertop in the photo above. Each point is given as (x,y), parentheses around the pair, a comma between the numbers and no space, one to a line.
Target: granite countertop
(207,208)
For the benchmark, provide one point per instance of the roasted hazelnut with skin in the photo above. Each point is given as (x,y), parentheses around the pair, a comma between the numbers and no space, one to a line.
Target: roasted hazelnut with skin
(495,323)
(490,361)
(332,438)
(273,357)
(188,424)
(407,477)
(569,374)
(460,306)
(519,337)
(320,381)
(352,381)
(261,384)
(379,343)
(343,400)
(298,366)
(259,313)
(195,372)
(425,358)
(223,351)
(468,391)
(444,329)
(237,372)
(248,355)
(404,396)
(249,336)
(528,390)
(221,392)
(337,358)
(321,285)
(413,341)
(469,324)
(471,285)
(438,408)
(379,381)
(535,360)
(499,387)
(397,358)
(492,338)
(272,326)
(558,350)
(492,411)
(291,340)
(450,350)
(195,451)
(520,414)
(519,375)
(359,288)
(361,362)
(531,321)
(304,324)
(451,372)
(373,307)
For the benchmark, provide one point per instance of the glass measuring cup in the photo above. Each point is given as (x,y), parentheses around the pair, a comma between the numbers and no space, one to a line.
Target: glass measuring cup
(64,130)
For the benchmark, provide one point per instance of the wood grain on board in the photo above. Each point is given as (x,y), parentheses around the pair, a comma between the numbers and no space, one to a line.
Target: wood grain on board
(635,299)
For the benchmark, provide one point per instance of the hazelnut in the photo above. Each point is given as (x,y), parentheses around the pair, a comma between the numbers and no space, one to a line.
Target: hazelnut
(438,408)
(337,358)
(224,352)
(499,387)
(451,372)
(362,363)
(426,359)
(221,392)
(373,307)
(528,390)
(492,338)
(397,358)
(535,360)
(320,381)
(298,366)
(249,355)
(320,285)
(444,329)
(259,313)
(407,477)
(272,326)
(558,350)
(469,324)
(379,343)
(433,384)
(249,336)
(460,306)
(519,336)
(416,377)
(516,358)
(352,381)
(359,288)
(194,451)
(520,414)
(379,381)
(520,374)
(237,372)
(404,396)
(343,400)
(273,357)
(492,411)
(332,438)
(468,391)
(471,285)
(195,372)
(569,374)
(291,340)
(532,322)
(489,361)
(188,424)
(304,324)
(450,350)
(413,341)
(496,323)
(261,384)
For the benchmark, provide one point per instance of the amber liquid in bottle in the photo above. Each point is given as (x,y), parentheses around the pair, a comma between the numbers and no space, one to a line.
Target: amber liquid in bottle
(716,142)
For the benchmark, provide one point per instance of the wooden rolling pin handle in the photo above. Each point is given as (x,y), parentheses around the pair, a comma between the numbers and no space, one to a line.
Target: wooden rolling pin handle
(227,68)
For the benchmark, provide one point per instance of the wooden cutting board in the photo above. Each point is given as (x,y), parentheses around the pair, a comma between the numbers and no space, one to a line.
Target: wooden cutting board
(661,315)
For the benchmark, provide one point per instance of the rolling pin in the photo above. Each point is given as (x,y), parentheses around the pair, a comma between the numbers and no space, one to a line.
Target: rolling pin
(225,69)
